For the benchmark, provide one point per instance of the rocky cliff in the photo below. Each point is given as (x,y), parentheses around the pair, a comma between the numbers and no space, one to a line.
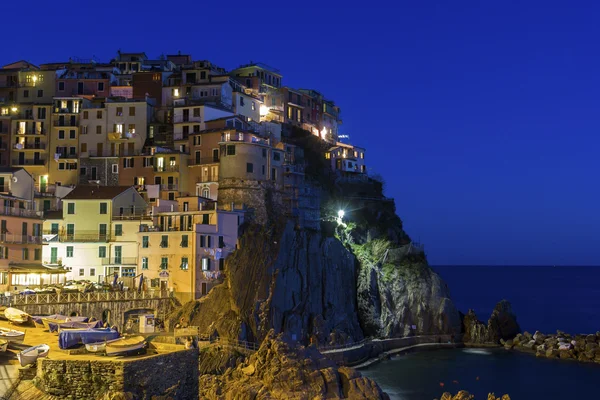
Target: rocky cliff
(281,370)
(502,325)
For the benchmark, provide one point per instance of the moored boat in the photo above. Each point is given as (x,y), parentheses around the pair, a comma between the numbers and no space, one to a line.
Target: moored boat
(30,355)
(125,345)
(12,336)
(98,347)
(16,316)
(3,345)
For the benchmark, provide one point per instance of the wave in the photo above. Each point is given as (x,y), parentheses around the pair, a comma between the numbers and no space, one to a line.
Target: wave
(480,352)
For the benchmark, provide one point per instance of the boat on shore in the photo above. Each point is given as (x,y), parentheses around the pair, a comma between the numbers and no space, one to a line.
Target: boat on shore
(16,316)
(98,347)
(12,336)
(30,355)
(125,346)
(3,345)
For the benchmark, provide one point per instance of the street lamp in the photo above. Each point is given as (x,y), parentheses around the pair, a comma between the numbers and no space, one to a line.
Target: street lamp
(341,214)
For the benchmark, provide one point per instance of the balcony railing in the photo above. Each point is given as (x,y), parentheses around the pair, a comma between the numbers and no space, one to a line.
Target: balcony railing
(66,298)
(203,160)
(121,136)
(207,178)
(79,236)
(119,261)
(166,168)
(30,146)
(65,123)
(144,228)
(28,162)
(21,212)
(130,216)
(178,119)
(181,136)
(31,131)
(20,239)
(170,186)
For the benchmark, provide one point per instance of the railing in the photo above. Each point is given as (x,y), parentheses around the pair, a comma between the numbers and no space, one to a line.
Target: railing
(64,155)
(65,123)
(28,162)
(31,132)
(181,119)
(238,344)
(34,146)
(120,135)
(80,236)
(166,229)
(130,217)
(167,168)
(207,178)
(344,346)
(21,212)
(170,186)
(212,275)
(56,298)
(181,136)
(119,260)
(20,239)
(203,160)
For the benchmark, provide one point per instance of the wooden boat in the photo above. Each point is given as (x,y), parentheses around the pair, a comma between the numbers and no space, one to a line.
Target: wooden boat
(16,316)
(99,347)
(30,355)
(3,345)
(12,336)
(125,345)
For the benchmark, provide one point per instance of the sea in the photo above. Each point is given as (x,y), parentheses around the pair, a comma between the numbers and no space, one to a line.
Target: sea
(544,298)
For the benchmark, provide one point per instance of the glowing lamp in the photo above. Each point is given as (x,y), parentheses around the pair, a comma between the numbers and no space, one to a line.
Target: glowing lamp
(14,109)
(264,110)
(341,213)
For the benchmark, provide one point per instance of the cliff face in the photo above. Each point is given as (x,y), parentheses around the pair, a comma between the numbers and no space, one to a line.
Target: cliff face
(502,325)
(392,301)
(291,281)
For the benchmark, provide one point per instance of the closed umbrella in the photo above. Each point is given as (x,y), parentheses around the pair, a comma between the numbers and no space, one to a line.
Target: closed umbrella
(141,283)
(115,280)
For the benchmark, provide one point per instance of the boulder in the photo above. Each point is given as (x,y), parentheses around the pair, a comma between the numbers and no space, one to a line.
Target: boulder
(552,353)
(565,354)
(590,339)
(502,326)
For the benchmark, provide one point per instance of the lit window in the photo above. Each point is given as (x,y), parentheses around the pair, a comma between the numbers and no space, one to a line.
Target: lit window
(184,263)
(144,262)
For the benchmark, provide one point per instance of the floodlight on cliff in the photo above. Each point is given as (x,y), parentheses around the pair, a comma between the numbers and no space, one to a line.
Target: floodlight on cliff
(341,214)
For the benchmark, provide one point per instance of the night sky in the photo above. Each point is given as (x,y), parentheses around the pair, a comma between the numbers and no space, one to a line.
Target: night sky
(483,116)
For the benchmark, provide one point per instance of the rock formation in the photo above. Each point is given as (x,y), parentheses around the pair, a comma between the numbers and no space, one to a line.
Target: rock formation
(281,370)
(464,395)
(584,348)
(502,325)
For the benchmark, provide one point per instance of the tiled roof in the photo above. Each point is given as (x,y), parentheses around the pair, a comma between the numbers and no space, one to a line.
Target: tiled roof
(93,192)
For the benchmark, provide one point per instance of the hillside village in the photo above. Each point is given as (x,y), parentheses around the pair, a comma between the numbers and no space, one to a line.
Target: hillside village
(142,171)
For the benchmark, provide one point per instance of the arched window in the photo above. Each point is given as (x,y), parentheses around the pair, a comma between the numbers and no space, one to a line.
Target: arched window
(205,192)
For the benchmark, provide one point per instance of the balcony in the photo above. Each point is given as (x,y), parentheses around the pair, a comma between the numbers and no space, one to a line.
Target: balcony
(170,186)
(121,136)
(21,212)
(18,162)
(181,119)
(132,217)
(166,168)
(10,238)
(203,161)
(120,261)
(80,236)
(209,178)
(181,136)
(30,146)
(65,123)
(145,228)
(65,156)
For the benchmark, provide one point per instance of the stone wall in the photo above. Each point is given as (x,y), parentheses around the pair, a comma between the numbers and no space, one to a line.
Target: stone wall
(103,170)
(97,309)
(261,196)
(173,374)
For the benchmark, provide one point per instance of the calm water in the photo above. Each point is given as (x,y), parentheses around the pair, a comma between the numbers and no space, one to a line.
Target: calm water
(544,298)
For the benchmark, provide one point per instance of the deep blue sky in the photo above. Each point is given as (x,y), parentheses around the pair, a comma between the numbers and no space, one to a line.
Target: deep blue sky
(482,116)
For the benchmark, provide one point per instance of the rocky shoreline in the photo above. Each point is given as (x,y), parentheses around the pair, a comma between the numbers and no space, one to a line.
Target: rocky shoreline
(583,348)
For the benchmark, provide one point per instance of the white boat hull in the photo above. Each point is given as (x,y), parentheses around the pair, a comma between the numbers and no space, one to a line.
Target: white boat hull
(30,355)
(16,316)
(11,336)
(3,346)
(118,350)
(99,347)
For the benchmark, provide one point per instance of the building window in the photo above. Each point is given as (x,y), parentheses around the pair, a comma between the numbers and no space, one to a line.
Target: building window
(164,263)
(184,241)
(25,254)
(85,114)
(164,241)
(205,192)
(40,93)
(276,156)
(37,254)
(263,169)
(205,264)
(99,114)
(221,242)
(144,262)
(103,208)
(92,271)
(83,171)
(99,132)
(61,134)
(70,208)
(249,167)
(101,86)
(264,153)
(184,263)
(25,93)
(241,101)
(253,106)
(102,251)
(197,112)
(72,134)
(119,112)
(132,111)
(145,243)
(115,168)
(118,230)
(61,86)
(81,272)
(69,251)
(231,150)
(273,174)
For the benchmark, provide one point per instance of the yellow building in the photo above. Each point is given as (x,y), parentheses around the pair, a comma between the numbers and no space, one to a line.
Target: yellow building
(64,141)
(184,248)
(95,233)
